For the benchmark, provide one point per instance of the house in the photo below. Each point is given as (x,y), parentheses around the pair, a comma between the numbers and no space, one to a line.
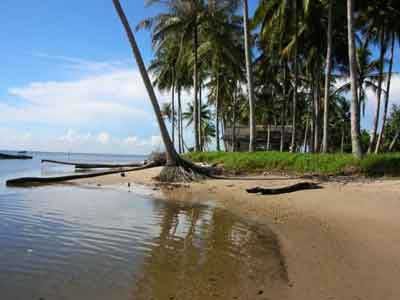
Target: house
(267,137)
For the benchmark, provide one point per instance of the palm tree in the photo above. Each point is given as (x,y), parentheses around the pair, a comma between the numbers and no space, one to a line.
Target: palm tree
(387,95)
(222,51)
(177,169)
(164,68)
(392,130)
(184,19)
(379,92)
(367,75)
(250,89)
(327,79)
(207,128)
(296,79)
(172,156)
(355,117)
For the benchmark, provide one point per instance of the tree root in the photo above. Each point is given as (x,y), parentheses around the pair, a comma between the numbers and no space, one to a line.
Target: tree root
(172,174)
(184,171)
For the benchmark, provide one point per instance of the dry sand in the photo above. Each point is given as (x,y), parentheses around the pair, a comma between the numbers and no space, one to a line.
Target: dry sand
(340,242)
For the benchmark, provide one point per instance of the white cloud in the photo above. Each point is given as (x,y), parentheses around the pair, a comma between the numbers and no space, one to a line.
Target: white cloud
(394,98)
(118,94)
(73,115)
(103,138)
(370,106)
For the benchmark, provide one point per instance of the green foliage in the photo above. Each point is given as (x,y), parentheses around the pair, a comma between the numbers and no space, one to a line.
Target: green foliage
(303,163)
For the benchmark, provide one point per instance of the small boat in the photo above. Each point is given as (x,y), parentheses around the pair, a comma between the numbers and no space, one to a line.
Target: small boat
(22,152)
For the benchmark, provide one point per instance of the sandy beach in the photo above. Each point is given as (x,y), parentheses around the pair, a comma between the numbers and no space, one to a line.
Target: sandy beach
(339,242)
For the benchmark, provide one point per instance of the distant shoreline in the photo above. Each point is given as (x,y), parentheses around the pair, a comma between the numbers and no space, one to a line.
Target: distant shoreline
(14,156)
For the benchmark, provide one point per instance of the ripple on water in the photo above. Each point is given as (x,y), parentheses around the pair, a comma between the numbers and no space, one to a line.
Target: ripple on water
(73,243)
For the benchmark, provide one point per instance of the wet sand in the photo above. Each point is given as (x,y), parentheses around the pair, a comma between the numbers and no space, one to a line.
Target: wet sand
(340,242)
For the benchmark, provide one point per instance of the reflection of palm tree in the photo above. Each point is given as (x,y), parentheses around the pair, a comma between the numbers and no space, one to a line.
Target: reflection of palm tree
(202,253)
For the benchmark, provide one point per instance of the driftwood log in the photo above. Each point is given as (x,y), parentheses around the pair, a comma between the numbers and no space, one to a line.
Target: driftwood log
(12,156)
(35,181)
(79,165)
(284,190)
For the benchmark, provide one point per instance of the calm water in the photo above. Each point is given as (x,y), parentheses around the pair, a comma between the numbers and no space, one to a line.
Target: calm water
(65,242)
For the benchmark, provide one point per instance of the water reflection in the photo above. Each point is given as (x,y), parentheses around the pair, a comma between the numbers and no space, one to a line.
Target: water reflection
(74,243)
(204,253)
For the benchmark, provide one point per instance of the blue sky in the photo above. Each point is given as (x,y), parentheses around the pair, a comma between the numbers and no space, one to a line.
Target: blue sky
(67,80)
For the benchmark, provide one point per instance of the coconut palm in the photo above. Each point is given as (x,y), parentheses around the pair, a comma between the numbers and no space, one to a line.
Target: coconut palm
(327,79)
(172,156)
(355,109)
(249,72)
(386,104)
(177,169)
(164,69)
(207,128)
(182,18)
(222,51)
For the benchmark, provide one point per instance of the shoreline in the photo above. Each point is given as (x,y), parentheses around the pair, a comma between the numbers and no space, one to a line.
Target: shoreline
(339,242)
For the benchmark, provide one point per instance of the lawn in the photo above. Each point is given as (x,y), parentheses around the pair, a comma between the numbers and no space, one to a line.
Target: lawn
(301,163)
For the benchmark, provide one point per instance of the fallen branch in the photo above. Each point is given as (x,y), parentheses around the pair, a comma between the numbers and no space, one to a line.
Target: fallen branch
(92,165)
(284,190)
(34,181)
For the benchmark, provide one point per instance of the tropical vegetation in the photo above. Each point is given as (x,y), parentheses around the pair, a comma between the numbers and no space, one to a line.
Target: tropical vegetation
(312,66)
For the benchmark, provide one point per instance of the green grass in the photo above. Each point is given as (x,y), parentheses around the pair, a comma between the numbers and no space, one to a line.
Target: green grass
(321,164)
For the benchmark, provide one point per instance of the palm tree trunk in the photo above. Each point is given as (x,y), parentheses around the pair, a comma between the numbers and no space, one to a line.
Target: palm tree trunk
(180,121)
(386,105)
(234,128)
(217,116)
(201,135)
(342,141)
(196,117)
(268,137)
(317,111)
(311,113)
(305,143)
(249,72)
(379,93)
(296,81)
(223,132)
(283,113)
(355,116)
(173,112)
(327,80)
(172,156)
(311,138)
(396,137)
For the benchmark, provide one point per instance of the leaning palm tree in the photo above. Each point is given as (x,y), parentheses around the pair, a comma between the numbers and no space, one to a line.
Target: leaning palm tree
(355,117)
(250,88)
(176,169)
